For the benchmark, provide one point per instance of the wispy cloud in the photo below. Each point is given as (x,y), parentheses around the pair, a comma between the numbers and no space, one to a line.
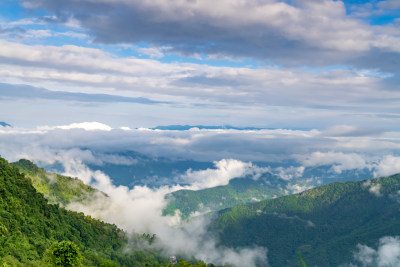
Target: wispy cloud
(10,91)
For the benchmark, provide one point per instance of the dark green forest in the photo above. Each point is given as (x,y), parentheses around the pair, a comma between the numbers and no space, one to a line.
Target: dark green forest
(323,225)
(238,191)
(30,226)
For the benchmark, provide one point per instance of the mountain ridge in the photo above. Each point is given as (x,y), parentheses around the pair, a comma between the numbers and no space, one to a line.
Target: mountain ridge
(324,224)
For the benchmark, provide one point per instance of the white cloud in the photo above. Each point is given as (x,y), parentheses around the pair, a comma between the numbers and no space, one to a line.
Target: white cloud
(87,126)
(151,52)
(339,160)
(140,210)
(297,188)
(290,173)
(374,189)
(80,69)
(389,165)
(237,28)
(226,169)
(386,255)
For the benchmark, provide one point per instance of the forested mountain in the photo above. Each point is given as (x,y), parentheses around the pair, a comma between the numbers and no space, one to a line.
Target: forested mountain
(323,224)
(56,188)
(238,191)
(29,226)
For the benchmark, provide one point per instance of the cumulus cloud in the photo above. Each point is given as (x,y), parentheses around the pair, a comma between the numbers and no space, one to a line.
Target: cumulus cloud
(340,161)
(226,169)
(386,255)
(387,166)
(91,70)
(300,32)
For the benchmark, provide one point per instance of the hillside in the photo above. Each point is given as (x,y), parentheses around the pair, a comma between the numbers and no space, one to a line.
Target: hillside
(29,226)
(56,188)
(238,191)
(324,224)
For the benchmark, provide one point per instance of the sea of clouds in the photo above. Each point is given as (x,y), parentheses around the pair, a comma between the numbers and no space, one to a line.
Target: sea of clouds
(139,209)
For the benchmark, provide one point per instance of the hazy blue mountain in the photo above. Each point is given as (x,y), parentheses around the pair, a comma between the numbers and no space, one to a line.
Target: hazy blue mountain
(323,224)
(132,168)
(188,127)
(4,124)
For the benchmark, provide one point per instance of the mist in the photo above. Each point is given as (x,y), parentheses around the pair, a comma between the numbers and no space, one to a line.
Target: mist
(139,210)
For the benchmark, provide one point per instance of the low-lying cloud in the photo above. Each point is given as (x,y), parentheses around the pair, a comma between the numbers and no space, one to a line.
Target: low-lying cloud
(291,152)
(387,254)
(140,209)
(224,171)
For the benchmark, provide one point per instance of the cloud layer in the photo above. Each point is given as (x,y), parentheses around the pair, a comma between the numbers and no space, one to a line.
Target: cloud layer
(295,32)
(294,150)
(308,64)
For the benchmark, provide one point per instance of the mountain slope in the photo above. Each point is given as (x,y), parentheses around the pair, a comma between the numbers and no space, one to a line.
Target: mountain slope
(29,226)
(238,191)
(324,224)
(56,188)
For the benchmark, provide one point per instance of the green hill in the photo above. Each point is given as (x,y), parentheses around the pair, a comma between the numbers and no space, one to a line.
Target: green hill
(323,224)
(29,226)
(238,191)
(56,188)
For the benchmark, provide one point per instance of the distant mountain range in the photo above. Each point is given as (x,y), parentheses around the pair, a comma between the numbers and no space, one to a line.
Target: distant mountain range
(238,191)
(188,127)
(4,124)
(221,127)
(324,225)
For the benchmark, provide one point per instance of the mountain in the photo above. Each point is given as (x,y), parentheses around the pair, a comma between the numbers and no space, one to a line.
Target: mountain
(238,191)
(29,225)
(57,189)
(224,127)
(2,123)
(324,224)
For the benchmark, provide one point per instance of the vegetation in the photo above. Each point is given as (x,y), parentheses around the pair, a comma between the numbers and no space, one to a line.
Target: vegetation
(238,191)
(29,226)
(64,254)
(323,224)
(57,189)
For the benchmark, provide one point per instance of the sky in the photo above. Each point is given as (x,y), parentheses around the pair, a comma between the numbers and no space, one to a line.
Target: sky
(299,64)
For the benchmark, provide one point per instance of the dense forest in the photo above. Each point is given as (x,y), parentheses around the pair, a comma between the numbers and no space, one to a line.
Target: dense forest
(238,191)
(323,224)
(30,227)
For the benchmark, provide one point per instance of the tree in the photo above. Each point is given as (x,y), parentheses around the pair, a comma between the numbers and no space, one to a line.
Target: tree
(65,254)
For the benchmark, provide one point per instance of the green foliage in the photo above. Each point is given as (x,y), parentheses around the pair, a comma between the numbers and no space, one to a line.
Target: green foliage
(29,225)
(324,224)
(57,189)
(64,254)
(238,191)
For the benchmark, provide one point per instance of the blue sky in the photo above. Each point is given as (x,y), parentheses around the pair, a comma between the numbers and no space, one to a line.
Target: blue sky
(277,64)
